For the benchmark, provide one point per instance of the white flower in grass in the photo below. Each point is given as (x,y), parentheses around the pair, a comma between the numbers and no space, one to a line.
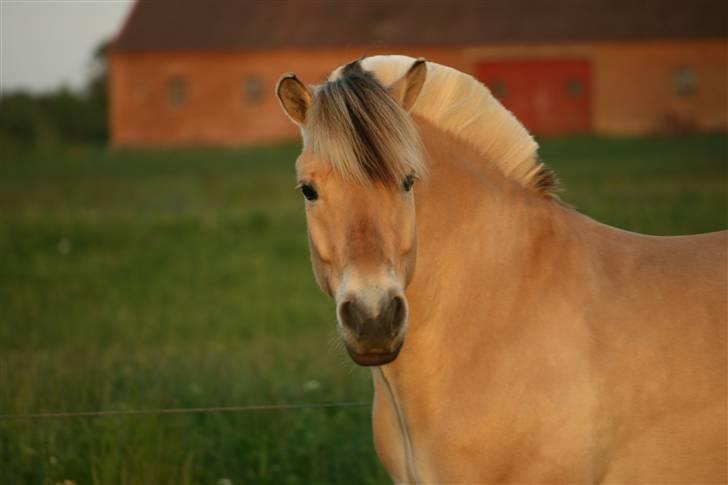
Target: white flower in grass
(311,385)
(224,481)
(64,247)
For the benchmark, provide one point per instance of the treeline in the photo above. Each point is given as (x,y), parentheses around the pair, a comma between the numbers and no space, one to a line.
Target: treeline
(63,116)
(35,120)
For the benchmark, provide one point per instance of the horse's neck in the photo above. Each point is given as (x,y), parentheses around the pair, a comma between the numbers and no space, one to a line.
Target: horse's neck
(478,234)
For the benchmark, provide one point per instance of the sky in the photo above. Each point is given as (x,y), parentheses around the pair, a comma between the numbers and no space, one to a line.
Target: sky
(45,44)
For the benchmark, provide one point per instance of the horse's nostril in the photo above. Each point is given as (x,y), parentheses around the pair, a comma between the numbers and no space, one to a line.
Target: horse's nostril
(393,316)
(351,316)
(373,324)
(400,310)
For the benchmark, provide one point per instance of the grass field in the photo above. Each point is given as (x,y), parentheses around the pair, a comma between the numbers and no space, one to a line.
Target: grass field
(136,280)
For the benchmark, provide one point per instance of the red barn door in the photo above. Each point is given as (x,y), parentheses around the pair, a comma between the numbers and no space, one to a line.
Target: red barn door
(549,96)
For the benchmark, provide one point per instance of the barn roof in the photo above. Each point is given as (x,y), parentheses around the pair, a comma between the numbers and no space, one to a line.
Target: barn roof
(176,25)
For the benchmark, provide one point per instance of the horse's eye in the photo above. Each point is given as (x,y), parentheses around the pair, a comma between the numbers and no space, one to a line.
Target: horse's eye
(309,192)
(408,182)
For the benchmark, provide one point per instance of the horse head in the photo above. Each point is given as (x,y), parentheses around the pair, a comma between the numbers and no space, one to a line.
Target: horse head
(360,160)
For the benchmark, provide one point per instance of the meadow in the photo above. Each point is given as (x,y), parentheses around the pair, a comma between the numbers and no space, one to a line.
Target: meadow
(161,279)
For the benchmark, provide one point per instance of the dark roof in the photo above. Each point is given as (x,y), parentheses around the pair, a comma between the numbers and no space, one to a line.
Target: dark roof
(172,25)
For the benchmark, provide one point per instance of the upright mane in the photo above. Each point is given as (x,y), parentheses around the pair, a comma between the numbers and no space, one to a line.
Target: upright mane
(357,127)
(461,105)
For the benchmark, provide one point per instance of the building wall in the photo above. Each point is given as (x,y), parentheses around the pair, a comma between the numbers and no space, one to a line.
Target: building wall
(217,108)
(550,96)
(634,89)
(227,98)
(646,88)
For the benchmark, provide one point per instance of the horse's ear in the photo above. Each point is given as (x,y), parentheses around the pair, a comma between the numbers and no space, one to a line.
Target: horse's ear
(294,96)
(408,87)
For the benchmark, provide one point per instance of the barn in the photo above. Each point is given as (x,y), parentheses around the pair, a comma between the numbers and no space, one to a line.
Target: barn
(187,72)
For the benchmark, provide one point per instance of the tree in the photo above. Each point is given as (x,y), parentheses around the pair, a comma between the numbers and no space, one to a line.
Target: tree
(59,116)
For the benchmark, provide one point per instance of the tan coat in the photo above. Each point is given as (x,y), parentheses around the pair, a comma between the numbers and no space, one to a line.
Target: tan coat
(511,339)
(545,347)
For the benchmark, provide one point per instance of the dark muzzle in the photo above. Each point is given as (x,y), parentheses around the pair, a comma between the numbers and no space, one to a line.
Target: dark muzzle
(375,336)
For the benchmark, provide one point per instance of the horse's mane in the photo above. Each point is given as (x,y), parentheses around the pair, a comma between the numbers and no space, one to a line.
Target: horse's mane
(361,131)
(461,105)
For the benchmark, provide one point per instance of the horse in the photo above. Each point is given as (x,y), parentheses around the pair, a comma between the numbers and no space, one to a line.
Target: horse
(511,339)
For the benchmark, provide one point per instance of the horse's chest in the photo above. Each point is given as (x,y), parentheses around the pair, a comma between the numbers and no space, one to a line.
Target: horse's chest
(393,439)
(412,451)
(403,441)
(418,442)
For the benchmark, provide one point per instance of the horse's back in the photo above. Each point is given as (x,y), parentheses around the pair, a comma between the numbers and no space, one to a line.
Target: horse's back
(682,281)
(664,362)
(658,276)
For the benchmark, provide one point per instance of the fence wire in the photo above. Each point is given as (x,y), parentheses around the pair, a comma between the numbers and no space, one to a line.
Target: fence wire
(200,410)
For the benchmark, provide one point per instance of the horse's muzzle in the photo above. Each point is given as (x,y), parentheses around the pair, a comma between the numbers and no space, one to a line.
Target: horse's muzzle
(373,337)
(374,358)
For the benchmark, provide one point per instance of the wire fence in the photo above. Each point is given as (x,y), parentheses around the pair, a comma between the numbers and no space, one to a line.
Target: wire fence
(200,410)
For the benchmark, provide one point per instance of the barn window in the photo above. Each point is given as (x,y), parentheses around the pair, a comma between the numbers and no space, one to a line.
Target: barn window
(499,88)
(177,91)
(574,87)
(684,81)
(253,89)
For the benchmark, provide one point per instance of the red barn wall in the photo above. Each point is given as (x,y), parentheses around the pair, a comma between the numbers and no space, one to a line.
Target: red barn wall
(549,96)
(636,91)
(631,88)
(216,109)
(633,84)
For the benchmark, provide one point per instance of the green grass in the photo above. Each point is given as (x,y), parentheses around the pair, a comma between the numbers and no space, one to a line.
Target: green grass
(136,280)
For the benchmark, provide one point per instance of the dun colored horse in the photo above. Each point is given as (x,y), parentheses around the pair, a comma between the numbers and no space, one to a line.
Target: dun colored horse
(511,339)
